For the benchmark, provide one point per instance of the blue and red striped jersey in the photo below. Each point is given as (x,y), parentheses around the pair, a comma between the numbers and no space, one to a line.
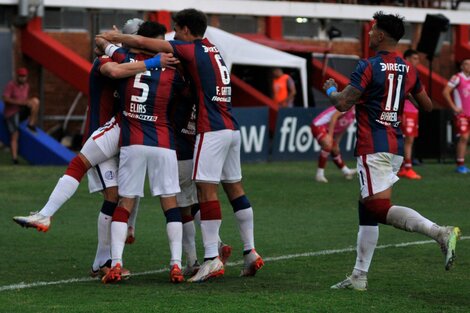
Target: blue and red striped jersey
(145,102)
(384,80)
(184,124)
(211,84)
(102,103)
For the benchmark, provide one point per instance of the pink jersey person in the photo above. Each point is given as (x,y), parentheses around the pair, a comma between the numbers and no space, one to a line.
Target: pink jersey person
(328,128)
(459,102)
(461,84)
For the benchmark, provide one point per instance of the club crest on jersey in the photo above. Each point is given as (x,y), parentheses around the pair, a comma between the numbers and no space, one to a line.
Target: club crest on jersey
(395,67)
(109,175)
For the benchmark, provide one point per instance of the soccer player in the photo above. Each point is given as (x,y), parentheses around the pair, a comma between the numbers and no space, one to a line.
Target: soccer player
(146,146)
(184,124)
(459,84)
(98,153)
(378,87)
(328,129)
(409,125)
(217,147)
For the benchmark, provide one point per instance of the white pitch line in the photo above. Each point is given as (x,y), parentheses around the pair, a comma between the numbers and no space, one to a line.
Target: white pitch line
(23,285)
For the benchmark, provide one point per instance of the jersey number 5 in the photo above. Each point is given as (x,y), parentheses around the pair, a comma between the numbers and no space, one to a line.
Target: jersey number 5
(141,85)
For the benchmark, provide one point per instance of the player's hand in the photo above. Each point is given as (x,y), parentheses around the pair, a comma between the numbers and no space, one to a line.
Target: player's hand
(111,35)
(329,83)
(167,60)
(457,110)
(101,44)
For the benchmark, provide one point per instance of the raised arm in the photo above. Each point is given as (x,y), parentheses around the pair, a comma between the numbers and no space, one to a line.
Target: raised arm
(343,100)
(332,124)
(116,71)
(136,41)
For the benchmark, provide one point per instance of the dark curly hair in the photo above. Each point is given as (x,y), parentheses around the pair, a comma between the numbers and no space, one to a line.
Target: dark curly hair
(391,24)
(195,20)
(151,29)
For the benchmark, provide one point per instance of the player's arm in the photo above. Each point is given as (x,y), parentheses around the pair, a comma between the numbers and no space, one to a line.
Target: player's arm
(136,41)
(343,100)
(447,94)
(332,124)
(412,100)
(116,71)
(423,101)
(292,91)
(8,99)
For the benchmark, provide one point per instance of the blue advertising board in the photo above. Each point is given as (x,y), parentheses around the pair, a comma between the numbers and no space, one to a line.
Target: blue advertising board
(254,133)
(293,139)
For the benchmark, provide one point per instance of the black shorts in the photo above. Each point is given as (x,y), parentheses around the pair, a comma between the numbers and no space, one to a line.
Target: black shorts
(13,122)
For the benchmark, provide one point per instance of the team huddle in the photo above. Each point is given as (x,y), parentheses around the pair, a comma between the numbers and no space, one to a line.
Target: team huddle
(173,122)
(168,116)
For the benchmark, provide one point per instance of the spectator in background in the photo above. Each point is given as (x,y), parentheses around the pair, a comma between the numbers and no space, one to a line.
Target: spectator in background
(409,125)
(16,97)
(283,89)
(459,84)
(328,128)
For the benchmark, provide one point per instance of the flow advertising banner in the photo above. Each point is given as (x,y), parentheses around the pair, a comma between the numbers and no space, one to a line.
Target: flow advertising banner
(293,139)
(254,133)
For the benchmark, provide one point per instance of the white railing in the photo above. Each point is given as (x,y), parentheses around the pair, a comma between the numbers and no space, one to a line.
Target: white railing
(262,8)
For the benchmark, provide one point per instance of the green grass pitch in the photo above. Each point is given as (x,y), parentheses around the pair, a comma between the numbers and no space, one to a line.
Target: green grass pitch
(296,220)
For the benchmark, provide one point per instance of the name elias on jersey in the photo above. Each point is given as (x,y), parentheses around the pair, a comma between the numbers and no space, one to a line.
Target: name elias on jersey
(138,108)
(210,49)
(142,117)
(394,67)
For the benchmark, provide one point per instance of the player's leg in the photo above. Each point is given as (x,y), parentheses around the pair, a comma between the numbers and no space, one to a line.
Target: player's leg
(13,124)
(338,159)
(410,131)
(14,146)
(210,151)
(461,150)
(33,104)
(463,132)
(186,200)
(118,238)
(320,133)
(225,250)
(132,222)
(189,241)
(231,181)
(367,238)
(103,178)
(101,146)
(377,201)
(163,179)
(131,179)
(174,230)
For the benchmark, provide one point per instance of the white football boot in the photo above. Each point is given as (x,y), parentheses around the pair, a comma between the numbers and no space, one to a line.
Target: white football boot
(448,241)
(34,220)
(352,282)
(252,263)
(349,173)
(321,178)
(209,269)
